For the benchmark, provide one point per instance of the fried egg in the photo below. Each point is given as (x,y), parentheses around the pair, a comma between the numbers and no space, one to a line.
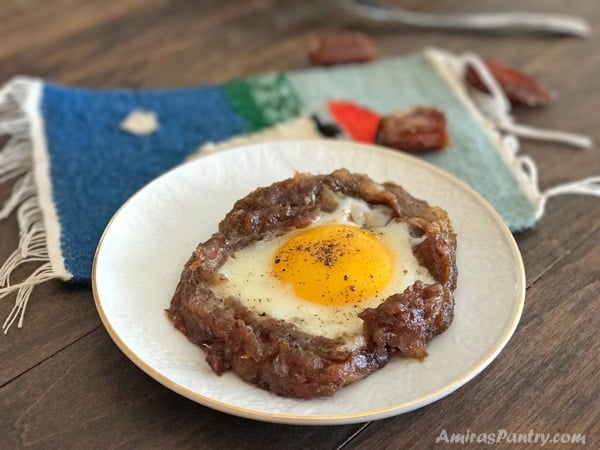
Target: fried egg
(320,277)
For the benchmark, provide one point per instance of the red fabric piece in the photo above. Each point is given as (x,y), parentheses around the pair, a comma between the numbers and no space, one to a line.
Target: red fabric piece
(358,122)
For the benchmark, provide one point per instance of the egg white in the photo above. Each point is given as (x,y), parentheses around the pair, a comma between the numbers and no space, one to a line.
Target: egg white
(250,279)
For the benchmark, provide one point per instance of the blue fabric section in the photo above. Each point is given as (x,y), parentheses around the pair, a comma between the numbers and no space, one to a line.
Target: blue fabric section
(95,166)
(392,84)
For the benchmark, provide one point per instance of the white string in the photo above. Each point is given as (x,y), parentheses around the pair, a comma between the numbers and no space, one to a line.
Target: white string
(41,274)
(511,145)
(575,140)
(23,189)
(587,186)
(528,167)
(496,107)
(16,160)
(502,105)
(32,242)
(499,111)
(524,21)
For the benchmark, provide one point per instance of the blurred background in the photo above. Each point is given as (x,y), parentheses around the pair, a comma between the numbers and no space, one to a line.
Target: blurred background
(182,42)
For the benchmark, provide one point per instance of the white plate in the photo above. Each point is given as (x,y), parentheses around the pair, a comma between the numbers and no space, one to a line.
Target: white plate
(146,244)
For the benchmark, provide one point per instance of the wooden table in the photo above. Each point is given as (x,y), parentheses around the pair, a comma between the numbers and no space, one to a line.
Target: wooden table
(64,384)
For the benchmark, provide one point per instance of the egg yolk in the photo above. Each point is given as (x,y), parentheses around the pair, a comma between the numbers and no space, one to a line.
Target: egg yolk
(334,264)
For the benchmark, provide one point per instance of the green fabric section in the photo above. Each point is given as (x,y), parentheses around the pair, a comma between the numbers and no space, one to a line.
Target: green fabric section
(393,84)
(263,100)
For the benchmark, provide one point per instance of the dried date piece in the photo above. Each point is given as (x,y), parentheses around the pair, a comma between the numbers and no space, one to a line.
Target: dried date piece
(415,130)
(343,48)
(519,88)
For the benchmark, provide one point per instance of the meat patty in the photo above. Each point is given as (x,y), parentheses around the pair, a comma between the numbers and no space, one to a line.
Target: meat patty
(278,356)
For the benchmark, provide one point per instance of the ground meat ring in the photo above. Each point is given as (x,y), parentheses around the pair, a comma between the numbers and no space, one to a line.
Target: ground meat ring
(278,356)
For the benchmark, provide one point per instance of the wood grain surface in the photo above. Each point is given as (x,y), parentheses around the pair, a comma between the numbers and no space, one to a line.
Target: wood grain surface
(64,384)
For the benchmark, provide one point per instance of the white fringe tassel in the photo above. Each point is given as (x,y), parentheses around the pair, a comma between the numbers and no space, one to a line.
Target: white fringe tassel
(16,161)
(587,186)
(497,109)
